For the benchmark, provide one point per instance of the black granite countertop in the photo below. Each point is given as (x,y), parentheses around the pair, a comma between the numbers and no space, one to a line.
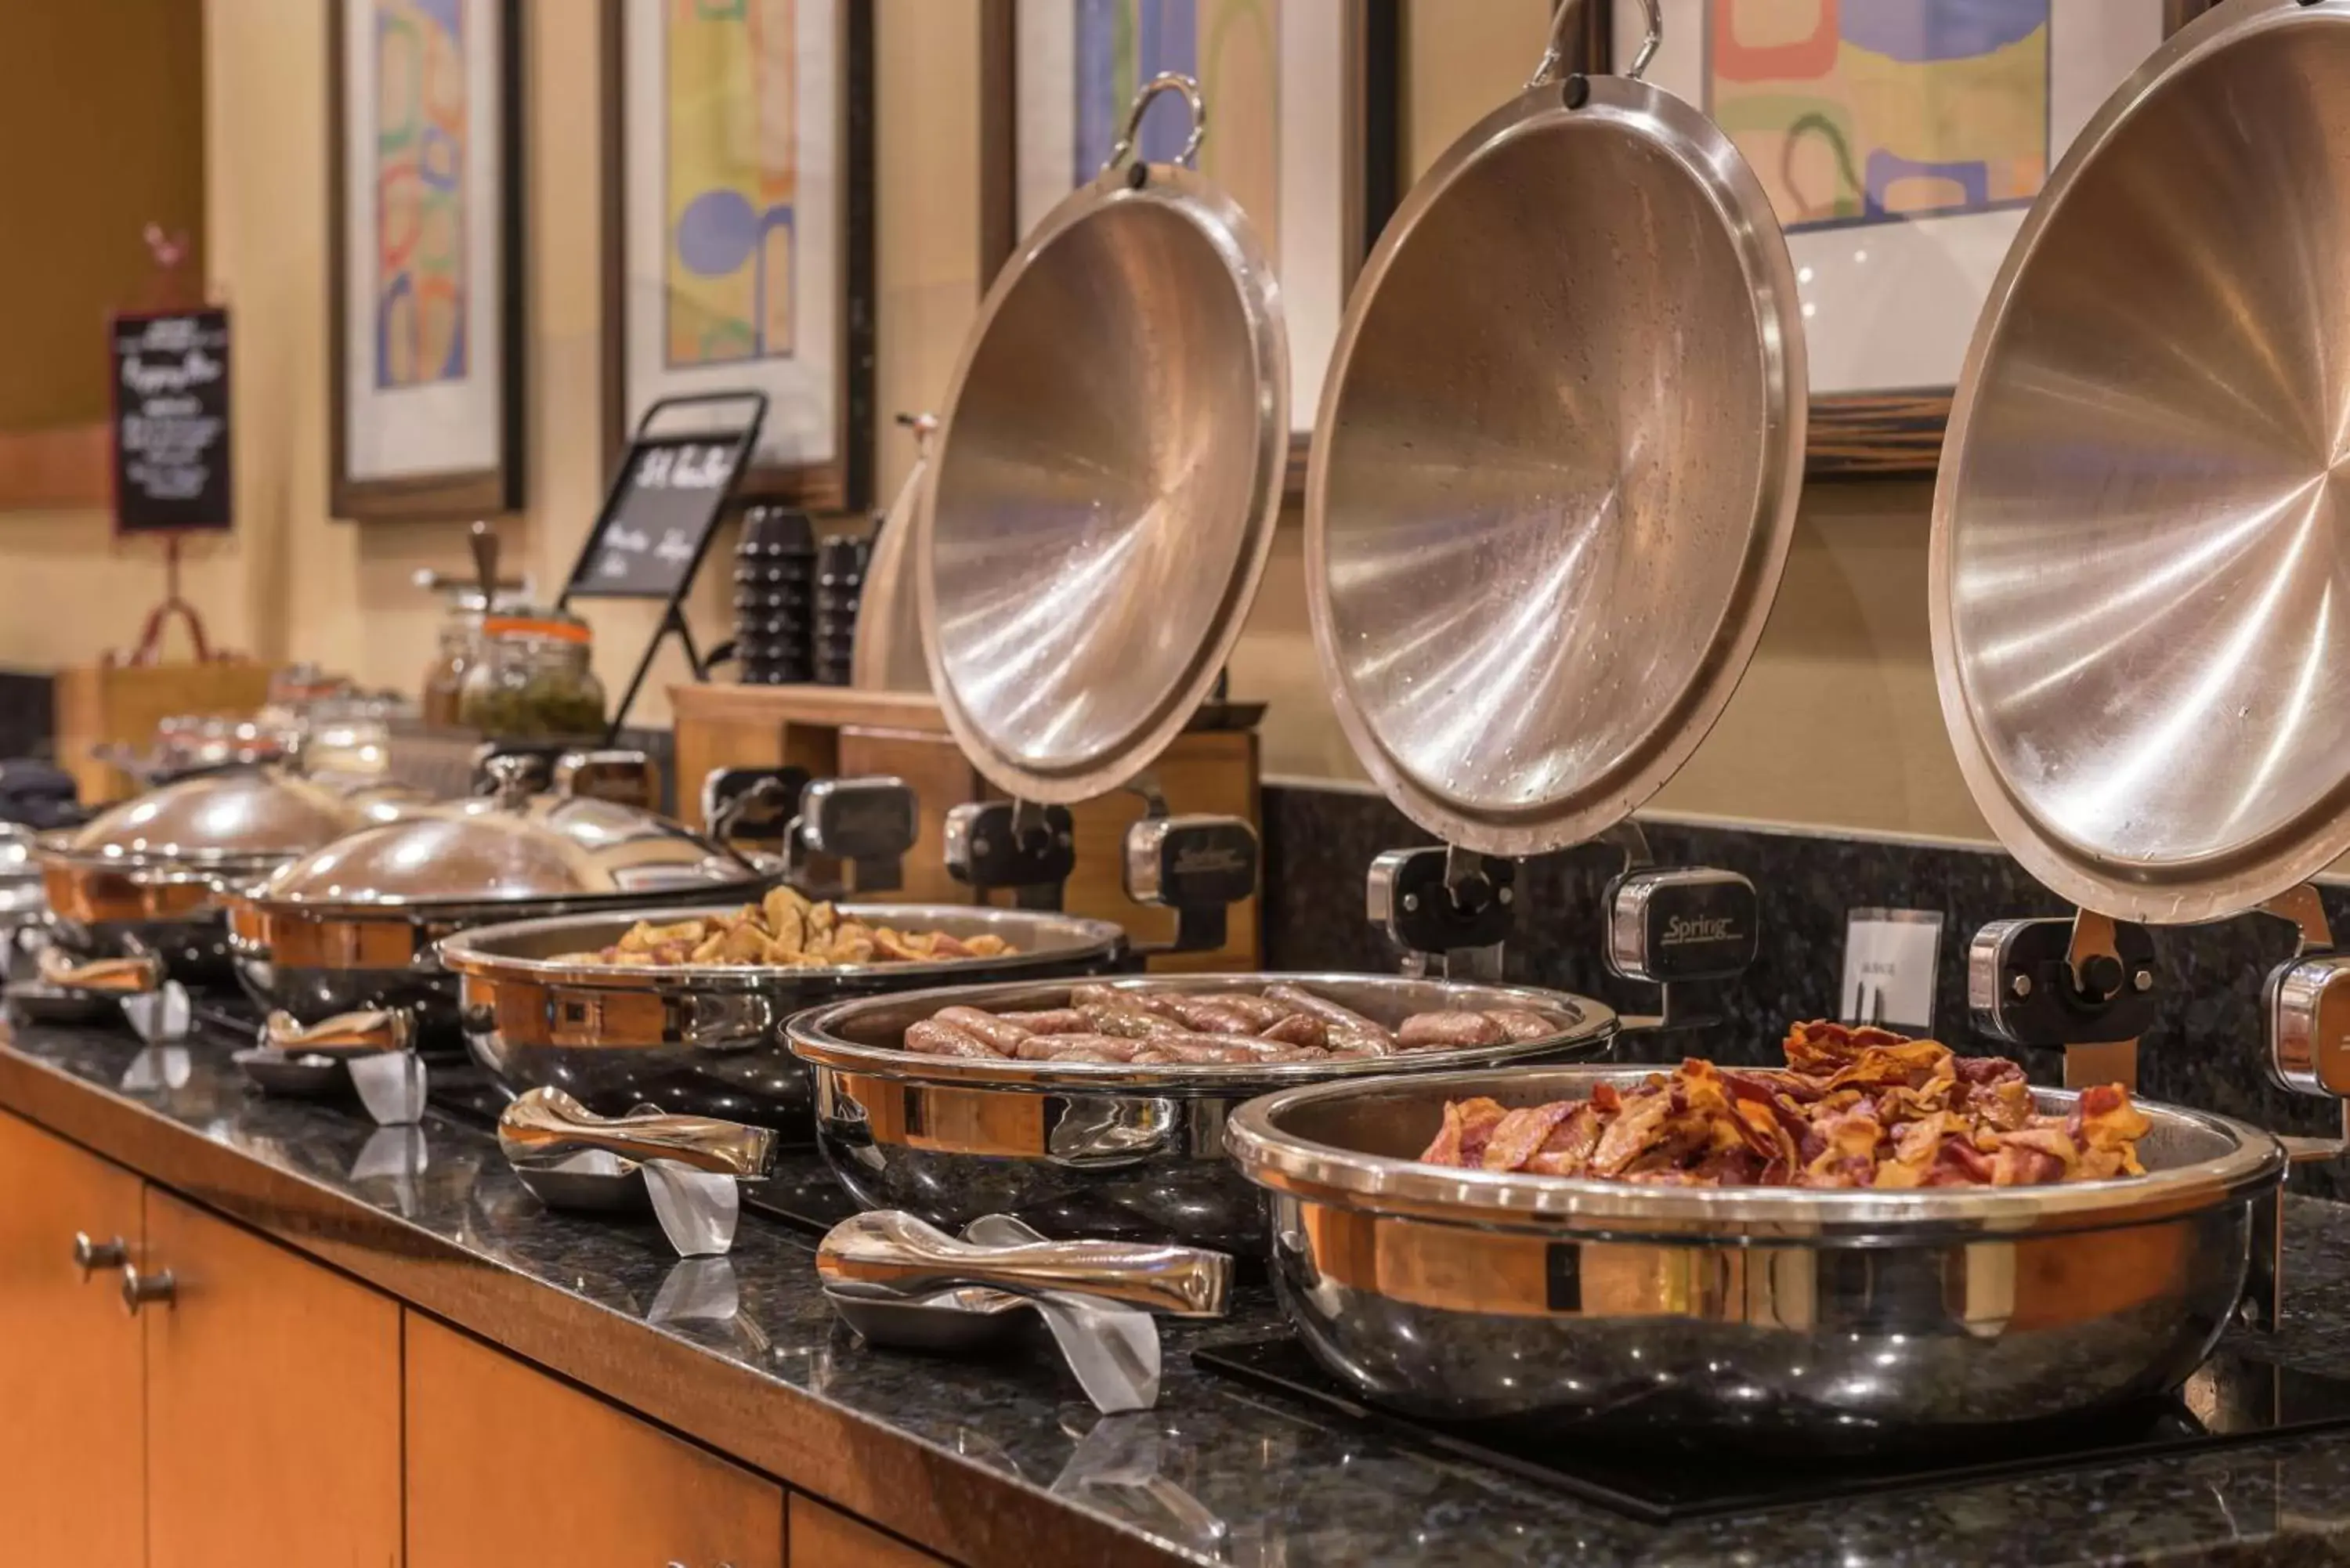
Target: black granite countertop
(743,1352)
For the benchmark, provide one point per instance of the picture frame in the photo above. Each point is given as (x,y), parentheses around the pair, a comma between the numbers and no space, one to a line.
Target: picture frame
(1890,296)
(425,259)
(1039,127)
(699,221)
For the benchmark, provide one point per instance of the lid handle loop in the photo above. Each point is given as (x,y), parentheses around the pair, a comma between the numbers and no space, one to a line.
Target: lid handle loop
(1563,25)
(1129,138)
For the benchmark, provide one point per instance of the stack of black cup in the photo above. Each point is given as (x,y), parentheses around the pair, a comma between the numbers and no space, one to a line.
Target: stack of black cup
(839,585)
(775,596)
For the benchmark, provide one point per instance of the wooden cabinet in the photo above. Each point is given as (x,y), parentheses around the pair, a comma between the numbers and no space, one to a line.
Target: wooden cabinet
(827,1538)
(270,1413)
(273,1405)
(71,1482)
(506,1465)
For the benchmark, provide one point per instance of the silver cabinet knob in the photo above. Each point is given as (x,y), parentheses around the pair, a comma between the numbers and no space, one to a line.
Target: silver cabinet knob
(90,1256)
(139,1289)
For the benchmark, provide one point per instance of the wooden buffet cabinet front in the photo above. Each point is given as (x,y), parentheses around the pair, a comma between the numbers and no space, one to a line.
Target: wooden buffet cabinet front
(258,1409)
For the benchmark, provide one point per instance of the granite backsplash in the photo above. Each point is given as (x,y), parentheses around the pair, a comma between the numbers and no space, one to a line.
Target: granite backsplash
(2206,1050)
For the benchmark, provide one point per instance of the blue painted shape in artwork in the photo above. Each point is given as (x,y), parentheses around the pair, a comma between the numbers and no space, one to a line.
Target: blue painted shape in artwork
(1170,41)
(453,367)
(449,13)
(1921,30)
(717,233)
(436,159)
(401,287)
(1167,39)
(1885,168)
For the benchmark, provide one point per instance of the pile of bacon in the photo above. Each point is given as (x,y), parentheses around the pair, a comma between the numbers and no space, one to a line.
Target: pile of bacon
(1157,1028)
(1854,1107)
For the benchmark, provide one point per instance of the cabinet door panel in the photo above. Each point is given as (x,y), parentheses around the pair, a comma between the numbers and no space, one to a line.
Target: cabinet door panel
(825,1537)
(72,1489)
(273,1405)
(508,1465)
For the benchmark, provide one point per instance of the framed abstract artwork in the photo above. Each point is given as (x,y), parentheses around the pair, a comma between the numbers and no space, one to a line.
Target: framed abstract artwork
(739,227)
(424,244)
(1902,142)
(1302,99)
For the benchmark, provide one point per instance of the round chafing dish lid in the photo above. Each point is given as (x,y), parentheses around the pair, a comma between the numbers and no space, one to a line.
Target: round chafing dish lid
(2140,568)
(1106,484)
(236,815)
(1555,474)
(486,851)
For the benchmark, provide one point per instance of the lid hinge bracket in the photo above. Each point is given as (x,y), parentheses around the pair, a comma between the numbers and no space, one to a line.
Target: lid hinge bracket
(1020,844)
(1197,865)
(1448,909)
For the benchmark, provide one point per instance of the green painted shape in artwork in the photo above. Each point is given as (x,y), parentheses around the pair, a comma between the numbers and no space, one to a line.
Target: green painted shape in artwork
(393,138)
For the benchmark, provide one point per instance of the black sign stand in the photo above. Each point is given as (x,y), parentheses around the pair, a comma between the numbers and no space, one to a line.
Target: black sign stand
(672,488)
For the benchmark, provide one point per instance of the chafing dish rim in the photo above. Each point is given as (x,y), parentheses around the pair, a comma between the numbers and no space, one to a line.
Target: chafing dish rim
(1274,1157)
(813,1038)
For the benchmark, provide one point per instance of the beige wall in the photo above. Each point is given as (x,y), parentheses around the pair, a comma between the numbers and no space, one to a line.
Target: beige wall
(1836,721)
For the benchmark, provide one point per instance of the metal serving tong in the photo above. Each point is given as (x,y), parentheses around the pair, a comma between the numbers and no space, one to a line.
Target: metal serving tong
(372,1050)
(1112,1348)
(686,1169)
(892,1249)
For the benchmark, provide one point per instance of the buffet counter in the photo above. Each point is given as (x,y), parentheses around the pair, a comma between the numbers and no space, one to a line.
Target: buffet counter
(804,1446)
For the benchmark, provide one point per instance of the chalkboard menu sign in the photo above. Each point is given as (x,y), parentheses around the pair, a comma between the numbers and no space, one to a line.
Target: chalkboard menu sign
(665,500)
(659,519)
(171,422)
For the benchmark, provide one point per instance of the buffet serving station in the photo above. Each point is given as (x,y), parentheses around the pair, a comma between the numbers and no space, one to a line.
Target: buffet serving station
(686,1127)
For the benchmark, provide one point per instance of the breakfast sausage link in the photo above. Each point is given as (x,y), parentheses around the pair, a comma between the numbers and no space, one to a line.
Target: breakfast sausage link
(1521,1025)
(1079,1048)
(933,1038)
(1448,1030)
(1002,1035)
(1298,1029)
(1337,1015)
(1049,1021)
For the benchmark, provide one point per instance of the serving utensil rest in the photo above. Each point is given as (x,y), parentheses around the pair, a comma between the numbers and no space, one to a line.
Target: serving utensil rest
(372,1050)
(687,1169)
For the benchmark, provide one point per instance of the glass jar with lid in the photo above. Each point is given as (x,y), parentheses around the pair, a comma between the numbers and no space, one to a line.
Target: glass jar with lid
(460,644)
(533,680)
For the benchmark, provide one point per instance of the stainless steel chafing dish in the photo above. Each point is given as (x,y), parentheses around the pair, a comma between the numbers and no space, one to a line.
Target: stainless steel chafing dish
(707,1039)
(1866,1316)
(147,879)
(345,934)
(1078,1148)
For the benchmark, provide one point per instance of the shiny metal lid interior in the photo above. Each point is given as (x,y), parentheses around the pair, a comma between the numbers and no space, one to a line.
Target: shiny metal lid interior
(1556,470)
(2140,566)
(490,851)
(1357,1145)
(235,816)
(1106,484)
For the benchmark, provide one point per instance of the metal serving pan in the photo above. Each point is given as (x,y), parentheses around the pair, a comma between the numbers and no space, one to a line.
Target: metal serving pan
(1083,1148)
(1108,477)
(2136,589)
(1854,1317)
(350,927)
(1555,473)
(707,1039)
(151,876)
